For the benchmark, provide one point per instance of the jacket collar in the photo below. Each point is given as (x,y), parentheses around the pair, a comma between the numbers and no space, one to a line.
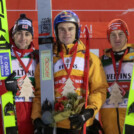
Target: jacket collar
(66,49)
(22,52)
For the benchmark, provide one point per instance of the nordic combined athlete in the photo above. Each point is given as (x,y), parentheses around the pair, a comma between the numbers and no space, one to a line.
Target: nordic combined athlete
(69,57)
(23,64)
(118,64)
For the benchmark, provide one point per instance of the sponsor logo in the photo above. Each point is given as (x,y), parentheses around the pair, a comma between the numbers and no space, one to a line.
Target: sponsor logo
(122,76)
(46,25)
(22,99)
(63,80)
(47,69)
(25,22)
(20,73)
(65,14)
(25,26)
(121,105)
(5,64)
(46,64)
(68,66)
(78,64)
(83,31)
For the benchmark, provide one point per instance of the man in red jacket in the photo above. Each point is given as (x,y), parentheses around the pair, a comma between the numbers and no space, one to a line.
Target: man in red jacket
(23,64)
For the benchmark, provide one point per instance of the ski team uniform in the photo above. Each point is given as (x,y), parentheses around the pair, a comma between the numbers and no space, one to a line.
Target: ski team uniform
(113,118)
(97,81)
(23,109)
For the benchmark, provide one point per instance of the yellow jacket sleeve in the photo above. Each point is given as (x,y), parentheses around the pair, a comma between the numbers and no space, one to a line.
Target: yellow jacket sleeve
(36,106)
(97,85)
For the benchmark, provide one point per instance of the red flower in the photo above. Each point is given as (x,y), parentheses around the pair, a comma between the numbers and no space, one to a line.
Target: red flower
(62,99)
(59,106)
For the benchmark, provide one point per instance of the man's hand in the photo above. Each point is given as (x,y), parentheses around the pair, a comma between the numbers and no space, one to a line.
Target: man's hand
(11,83)
(41,127)
(78,120)
(38,123)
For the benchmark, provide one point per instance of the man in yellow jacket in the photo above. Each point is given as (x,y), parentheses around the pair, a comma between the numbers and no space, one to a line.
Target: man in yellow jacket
(69,57)
(118,63)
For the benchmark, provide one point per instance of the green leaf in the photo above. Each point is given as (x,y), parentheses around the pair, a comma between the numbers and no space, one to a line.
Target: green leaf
(62,116)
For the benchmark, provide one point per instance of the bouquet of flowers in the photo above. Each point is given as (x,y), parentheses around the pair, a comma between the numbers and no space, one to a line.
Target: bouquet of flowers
(67,105)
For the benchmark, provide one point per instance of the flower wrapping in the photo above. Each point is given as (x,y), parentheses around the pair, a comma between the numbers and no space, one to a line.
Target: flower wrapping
(66,106)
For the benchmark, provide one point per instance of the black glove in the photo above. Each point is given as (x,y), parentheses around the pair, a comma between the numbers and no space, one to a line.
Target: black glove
(10,83)
(42,128)
(78,120)
(38,123)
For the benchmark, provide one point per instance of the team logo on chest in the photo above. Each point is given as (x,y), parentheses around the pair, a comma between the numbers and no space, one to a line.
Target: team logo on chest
(67,61)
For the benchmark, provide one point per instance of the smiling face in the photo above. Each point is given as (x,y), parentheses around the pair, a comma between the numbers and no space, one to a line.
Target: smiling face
(22,39)
(118,40)
(67,32)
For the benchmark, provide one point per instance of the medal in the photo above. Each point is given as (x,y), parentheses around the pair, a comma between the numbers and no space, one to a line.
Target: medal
(115,90)
(70,68)
(26,88)
(68,88)
(115,86)
(116,94)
